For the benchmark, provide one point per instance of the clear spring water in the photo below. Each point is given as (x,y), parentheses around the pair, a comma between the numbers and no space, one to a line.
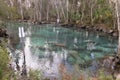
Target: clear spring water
(47,47)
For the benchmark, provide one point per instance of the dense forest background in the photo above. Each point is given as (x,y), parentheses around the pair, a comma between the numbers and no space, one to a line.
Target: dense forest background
(80,12)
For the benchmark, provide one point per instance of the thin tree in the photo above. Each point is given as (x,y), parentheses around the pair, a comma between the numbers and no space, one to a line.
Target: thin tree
(118,23)
(21,9)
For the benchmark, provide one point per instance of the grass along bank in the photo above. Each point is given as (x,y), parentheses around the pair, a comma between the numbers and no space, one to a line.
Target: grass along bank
(5,71)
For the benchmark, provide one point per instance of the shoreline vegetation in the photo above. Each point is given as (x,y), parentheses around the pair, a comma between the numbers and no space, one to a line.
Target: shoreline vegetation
(102,28)
(5,71)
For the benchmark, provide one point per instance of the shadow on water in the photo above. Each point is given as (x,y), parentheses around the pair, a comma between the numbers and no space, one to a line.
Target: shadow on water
(47,47)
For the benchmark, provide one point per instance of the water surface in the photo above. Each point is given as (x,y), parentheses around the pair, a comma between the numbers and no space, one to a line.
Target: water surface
(47,47)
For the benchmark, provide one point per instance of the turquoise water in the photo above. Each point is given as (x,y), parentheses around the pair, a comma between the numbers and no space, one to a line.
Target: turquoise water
(47,46)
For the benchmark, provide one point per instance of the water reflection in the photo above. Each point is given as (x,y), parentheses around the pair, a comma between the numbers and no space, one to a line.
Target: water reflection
(48,47)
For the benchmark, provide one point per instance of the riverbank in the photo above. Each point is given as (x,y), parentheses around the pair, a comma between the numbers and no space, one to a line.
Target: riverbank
(103,28)
(97,27)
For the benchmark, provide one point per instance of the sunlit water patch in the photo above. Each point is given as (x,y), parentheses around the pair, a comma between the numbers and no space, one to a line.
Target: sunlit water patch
(48,47)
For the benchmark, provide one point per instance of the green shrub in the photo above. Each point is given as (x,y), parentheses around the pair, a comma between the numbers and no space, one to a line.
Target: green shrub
(4,70)
(0,73)
(35,75)
(103,76)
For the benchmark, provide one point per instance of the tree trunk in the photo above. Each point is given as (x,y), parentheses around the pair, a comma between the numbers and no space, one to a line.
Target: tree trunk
(91,12)
(47,16)
(67,4)
(118,24)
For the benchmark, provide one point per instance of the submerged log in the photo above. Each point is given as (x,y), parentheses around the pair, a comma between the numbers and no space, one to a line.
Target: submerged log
(59,45)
